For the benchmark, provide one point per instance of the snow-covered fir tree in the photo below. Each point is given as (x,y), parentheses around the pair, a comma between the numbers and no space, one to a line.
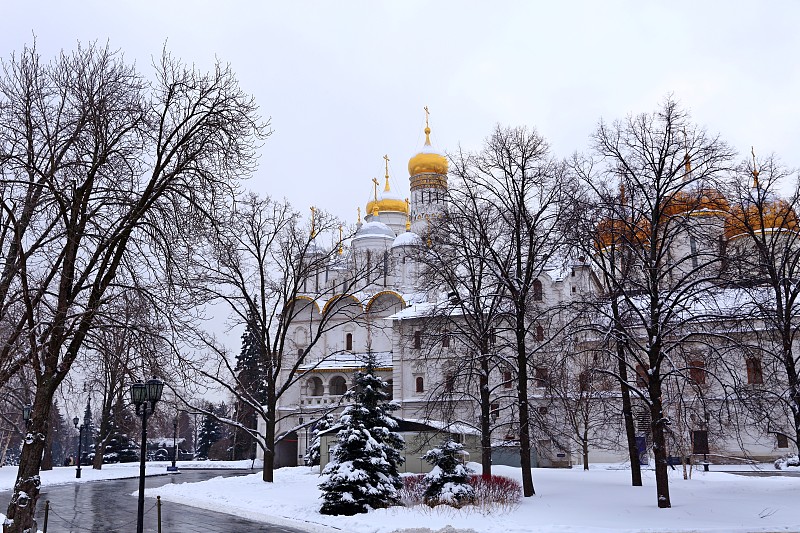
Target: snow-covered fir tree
(210,432)
(362,474)
(448,482)
(250,388)
(311,457)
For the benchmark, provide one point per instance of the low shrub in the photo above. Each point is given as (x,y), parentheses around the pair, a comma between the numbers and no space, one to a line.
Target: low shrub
(490,493)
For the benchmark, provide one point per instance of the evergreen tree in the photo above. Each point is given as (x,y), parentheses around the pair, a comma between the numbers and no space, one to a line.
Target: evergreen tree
(362,474)
(312,452)
(210,432)
(448,482)
(252,385)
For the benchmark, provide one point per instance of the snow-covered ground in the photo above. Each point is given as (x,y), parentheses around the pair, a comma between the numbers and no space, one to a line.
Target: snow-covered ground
(600,500)
(66,474)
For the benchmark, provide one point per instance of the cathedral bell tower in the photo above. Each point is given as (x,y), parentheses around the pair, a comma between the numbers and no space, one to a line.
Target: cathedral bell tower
(428,177)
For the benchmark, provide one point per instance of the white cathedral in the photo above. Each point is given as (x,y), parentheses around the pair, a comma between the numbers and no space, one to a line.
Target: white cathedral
(392,310)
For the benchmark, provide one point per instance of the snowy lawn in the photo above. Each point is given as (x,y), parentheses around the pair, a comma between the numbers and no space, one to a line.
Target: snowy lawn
(600,500)
(66,474)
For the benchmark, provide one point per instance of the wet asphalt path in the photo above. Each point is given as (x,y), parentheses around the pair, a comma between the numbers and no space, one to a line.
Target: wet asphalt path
(108,507)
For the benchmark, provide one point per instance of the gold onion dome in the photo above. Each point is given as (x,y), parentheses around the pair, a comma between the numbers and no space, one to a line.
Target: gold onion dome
(702,202)
(387,201)
(775,216)
(428,160)
(615,231)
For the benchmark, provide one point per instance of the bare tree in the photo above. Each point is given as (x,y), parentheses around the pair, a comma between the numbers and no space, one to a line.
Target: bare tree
(520,185)
(668,219)
(94,163)
(466,322)
(272,273)
(763,262)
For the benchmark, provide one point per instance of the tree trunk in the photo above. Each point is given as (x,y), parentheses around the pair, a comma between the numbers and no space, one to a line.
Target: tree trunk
(585,443)
(269,440)
(627,407)
(22,508)
(486,430)
(659,443)
(524,416)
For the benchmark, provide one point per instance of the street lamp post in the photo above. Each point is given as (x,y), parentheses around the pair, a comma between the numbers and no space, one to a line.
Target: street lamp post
(174,468)
(142,396)
(75,421)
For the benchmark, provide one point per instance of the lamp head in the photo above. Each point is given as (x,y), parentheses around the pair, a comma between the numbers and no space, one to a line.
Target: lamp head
(26,412)
(75,421)
(138,393)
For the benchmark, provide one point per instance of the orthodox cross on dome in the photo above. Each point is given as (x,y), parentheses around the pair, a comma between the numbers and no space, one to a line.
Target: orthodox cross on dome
(427,127)
(386,159)
(341,230)
(359,215)
(755,170)
(375,187)
(313,212)
(687,161)
(408,216)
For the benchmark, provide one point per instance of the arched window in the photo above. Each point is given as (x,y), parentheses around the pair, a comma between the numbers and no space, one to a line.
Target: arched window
(338,386)
(539,333)
(537,290)
(348,342)
(420,384)
(315,387)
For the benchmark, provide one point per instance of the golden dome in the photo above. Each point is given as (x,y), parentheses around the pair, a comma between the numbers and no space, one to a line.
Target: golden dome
(620,232)
(427,161)
(777,215)
(698,203)
(387,201)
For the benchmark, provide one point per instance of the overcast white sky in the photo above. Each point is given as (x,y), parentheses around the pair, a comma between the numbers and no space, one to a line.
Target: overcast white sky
(345,82)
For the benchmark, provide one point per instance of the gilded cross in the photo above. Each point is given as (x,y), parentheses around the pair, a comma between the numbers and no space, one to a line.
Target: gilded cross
(313,211)
(375,183)
(427,113)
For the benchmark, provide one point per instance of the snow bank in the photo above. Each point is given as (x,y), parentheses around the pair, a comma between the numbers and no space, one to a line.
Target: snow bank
(594,501)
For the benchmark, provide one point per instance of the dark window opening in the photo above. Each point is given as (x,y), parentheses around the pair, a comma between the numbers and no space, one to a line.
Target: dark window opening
(541,377)
(537,290)
(348,342)
(417,340)
(494,411)
(783,440)
(642,379)
(583,381)
(420,384)
(338,386)
(539,333)
(697,372)
(755,374)
(700,442)
(507,379)
(446,339)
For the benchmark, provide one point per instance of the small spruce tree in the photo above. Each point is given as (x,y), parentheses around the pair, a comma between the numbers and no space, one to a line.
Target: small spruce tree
(448,482)
(311,457)
(362,474)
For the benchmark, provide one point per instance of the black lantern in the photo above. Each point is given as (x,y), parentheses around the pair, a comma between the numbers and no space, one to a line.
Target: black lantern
(154,389)
(75,421)
(138,393)
(26,414)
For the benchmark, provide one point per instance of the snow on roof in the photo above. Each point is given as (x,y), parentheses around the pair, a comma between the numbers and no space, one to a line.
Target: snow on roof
(452,427)
(374,228)
(348,361)
(408,238)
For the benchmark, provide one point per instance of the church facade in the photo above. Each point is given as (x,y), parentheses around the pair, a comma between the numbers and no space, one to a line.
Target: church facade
(388,315)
